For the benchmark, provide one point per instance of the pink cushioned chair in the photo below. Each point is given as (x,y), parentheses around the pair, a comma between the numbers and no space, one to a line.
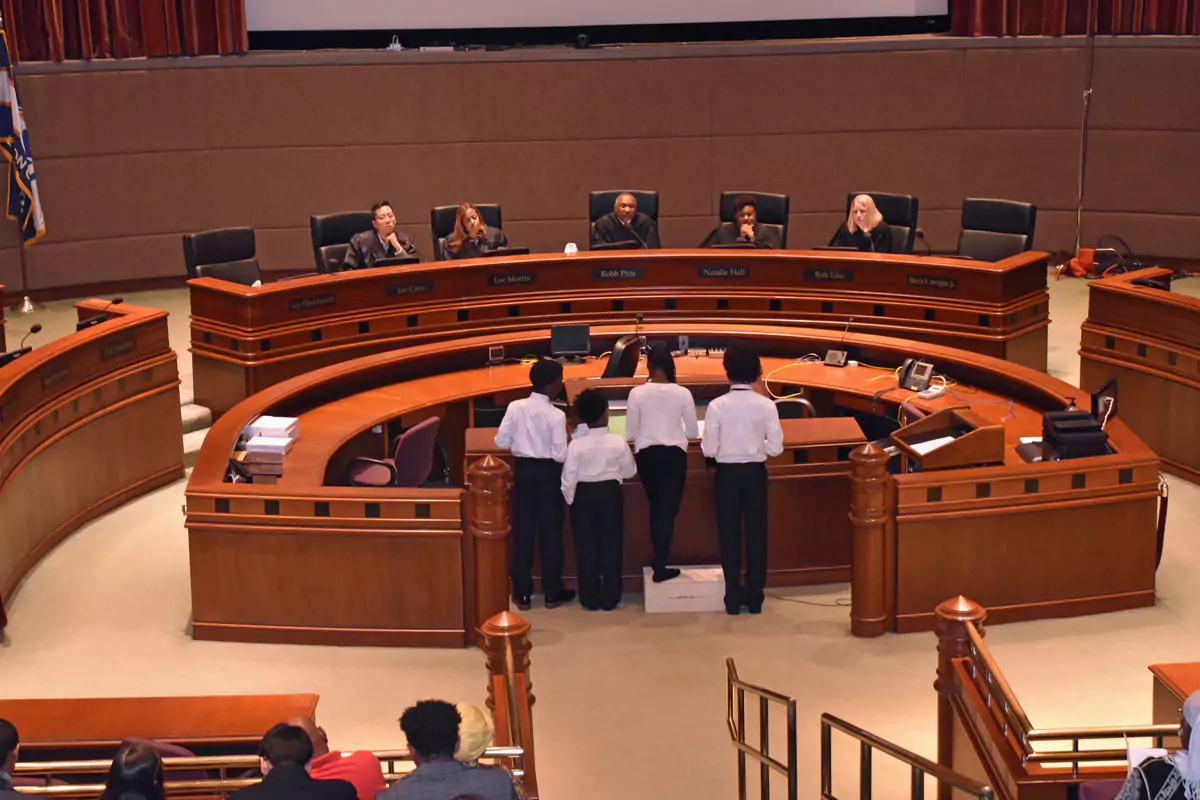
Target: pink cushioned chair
(410,465)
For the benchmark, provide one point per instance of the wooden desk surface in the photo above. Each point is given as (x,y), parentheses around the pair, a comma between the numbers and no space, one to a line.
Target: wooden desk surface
(221,718)
(1181,679)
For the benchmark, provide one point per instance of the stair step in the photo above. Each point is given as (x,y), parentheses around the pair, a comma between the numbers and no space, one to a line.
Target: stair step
(191,445)
(195,417)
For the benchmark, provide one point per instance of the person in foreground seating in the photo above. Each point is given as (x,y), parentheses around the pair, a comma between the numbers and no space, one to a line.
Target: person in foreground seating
(10,746)
(283,757)
(475,734)
(383,241)
(471,238)
(864,228)
(431,727)
(1172,777)
(625,224)
(745,228)
(136,774)
(360,768)
(597,462)
(660,419)
(741,431)
(536,433)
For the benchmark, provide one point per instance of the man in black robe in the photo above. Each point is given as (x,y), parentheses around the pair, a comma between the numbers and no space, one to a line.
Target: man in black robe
(625,224)
(382,241)
(745,229)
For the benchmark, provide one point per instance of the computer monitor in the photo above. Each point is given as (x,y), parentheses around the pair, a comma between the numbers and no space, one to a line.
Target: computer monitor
(570,340)
(397,261)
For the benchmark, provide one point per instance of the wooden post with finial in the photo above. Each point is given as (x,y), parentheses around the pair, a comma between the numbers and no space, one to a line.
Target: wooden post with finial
(510,689)
(952,618)
(489,518)
(873,569)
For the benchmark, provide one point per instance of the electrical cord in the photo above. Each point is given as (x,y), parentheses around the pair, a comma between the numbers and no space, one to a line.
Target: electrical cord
(841,602)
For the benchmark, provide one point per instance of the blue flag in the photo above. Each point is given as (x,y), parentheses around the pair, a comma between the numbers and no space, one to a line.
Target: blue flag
(23,202)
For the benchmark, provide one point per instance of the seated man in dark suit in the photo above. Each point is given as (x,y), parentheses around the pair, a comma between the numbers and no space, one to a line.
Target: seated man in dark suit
(744,229)
(384,241)
(283,757)
(625,224)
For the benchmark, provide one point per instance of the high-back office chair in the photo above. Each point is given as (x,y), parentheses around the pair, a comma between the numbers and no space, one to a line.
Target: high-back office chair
(225,253)
(601,203)
(794,408)
(771,210)
(331,235)
(409,465)
(993,230)
(441,222)
(899,212)
(623,360)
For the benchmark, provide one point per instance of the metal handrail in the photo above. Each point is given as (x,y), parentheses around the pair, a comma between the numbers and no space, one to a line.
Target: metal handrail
(1012,713)
(735,695)
(869,742)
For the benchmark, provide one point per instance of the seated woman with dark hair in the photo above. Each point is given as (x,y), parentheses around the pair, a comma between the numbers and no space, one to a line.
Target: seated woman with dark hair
(136,774)
(864,229)
(471,237)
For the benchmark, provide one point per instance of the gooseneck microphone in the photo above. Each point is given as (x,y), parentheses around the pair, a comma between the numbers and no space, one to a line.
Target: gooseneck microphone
(633,230)
(101,317)
(8,358)
(37,328)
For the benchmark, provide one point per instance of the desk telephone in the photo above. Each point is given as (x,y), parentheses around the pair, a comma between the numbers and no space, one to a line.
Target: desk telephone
(915,374)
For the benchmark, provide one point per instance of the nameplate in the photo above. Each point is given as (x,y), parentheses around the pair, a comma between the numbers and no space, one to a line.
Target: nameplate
(316,301)
(511,278)
(724,272)
(932,282)
(617,274)
(829,275)
(403,289)
(52,379)
(118,349)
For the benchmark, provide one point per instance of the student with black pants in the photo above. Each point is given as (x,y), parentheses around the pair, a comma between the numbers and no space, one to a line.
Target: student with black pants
(536,432)
(660,420)
(741,430)
(597,462)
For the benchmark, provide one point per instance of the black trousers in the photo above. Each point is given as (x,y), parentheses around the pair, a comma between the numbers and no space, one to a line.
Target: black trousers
(663,472)
(597,523)
(537,519)
(740,493)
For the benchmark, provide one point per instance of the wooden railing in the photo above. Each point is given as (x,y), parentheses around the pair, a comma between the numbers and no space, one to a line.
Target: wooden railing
(735,717)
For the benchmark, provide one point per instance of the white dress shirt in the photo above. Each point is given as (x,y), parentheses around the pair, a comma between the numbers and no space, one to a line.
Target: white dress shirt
(595,456)
(741,427)
(661,414)
(532,428)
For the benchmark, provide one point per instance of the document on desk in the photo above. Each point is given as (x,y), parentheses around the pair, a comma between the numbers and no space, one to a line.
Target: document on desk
(929,445)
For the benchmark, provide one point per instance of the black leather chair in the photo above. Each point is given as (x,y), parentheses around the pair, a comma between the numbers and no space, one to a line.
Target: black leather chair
(441,222)
(623,361)
(331,234)
(601,203)
(899,212)
(225,253)
(993,230)
(771,209)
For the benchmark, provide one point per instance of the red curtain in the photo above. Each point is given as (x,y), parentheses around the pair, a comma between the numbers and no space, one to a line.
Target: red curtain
(56,30)
(1070,17)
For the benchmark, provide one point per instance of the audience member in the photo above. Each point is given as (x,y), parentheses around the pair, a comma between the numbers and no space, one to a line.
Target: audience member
(431,727)
(475,734)
(136,774)
(536,433)
(384,241)
(10,745)
(283,757)
(360,768)
(1173,777)
(471,237)
(745,228)
(864,229)
(625,224)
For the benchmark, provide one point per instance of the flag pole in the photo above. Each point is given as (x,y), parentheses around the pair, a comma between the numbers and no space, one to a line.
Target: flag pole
(27,305)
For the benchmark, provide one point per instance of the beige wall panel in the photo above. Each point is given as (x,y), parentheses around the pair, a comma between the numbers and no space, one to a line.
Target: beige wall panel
(818,170)
(808,93)
(1055,230)
(1025,88)
(69,263)
(1145,171)
(1156,234)
(1151,88)
(97,113)
(10,272)
(126,195)
(1035,166)
(10,231)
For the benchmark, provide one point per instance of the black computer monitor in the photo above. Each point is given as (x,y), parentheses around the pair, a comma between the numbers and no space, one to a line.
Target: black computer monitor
(570,340)
(505,251)
(629,244)
(396,261)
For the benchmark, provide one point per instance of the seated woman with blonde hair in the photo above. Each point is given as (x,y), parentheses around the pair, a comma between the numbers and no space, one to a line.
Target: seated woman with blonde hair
(864,229)
(471,237)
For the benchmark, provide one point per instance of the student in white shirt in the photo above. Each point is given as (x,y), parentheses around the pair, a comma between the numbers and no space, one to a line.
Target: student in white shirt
(741,430)
(536,433)
(597,462)
(660,420)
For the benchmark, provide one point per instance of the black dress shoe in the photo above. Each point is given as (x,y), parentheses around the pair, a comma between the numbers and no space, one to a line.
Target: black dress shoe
(523,601)
(557,599)
(666,575)
(754,608)
(733,611)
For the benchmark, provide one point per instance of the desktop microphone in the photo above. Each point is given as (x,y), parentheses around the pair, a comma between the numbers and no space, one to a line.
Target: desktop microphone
(8,358)
(37,328)
(641,241)
(838,358)
(87,323)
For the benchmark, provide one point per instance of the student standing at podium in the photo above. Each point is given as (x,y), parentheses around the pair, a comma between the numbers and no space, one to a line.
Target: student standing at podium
(660,419)
(742,430)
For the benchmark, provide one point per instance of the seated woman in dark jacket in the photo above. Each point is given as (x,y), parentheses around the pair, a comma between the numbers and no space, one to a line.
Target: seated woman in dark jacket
(864,229)
(471,238)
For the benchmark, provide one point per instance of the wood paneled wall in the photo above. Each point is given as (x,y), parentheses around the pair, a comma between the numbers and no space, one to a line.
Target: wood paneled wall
(132,155)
